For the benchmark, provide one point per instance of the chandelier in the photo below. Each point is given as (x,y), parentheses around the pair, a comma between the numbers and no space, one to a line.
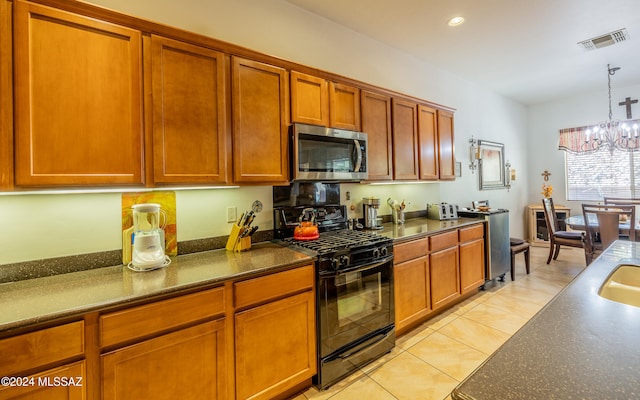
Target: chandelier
(612,134)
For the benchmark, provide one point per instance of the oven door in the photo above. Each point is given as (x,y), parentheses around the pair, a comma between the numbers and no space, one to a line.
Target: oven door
(354,304)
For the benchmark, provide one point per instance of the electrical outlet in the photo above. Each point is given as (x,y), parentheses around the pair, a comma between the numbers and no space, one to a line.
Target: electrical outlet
(232,214)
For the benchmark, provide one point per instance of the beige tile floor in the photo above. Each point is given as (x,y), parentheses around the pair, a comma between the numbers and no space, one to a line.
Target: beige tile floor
(431,360)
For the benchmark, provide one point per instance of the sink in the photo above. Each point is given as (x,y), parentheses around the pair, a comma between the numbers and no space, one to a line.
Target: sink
(623,285)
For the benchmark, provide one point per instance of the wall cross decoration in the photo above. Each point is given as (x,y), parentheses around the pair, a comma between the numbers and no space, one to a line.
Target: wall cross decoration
(627,103)
(546,174)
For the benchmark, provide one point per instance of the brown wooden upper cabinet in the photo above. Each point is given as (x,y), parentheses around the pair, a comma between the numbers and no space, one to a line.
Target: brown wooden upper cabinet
(344,106)
(405,140)
(446,155)
(376,122)
(189,87)
(309,99)
(260,122)
(428,142)
(316,101)
(422,142)
(78,100)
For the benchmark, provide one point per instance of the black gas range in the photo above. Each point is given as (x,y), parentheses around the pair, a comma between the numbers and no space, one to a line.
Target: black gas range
(338,248)
(354,280)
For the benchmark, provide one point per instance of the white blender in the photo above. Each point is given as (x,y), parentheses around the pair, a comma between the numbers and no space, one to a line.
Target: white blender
(148,240)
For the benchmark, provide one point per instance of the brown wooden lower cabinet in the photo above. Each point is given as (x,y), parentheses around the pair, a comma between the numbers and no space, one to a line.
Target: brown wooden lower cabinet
(183,347)
(63,383)
(471,265)
(434,272)
(186,364)
(445,276)
(51,353)
(275,347)
(412,297)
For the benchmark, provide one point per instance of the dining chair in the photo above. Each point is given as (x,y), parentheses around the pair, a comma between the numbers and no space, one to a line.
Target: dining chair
(604,224)
(558,237)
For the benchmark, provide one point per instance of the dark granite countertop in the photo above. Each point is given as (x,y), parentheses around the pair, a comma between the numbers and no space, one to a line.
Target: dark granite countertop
(33,301)
(38,300)
(580,346)
(416,228)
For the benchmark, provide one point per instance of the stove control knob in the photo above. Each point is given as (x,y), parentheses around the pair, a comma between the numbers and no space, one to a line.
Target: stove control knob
(375,253)
(383,251)
(335,263)
(344,260)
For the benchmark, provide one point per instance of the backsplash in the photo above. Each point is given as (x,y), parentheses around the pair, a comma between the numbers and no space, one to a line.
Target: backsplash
(62,232)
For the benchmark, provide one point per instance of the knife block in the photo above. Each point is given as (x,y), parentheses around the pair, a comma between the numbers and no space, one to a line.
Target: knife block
(235,243)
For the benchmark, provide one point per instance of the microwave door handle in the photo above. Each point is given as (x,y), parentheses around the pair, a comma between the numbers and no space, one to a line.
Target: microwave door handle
(358,156)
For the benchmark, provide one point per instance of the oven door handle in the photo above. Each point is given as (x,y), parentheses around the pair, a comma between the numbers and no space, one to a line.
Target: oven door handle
(360,268)
(365,346)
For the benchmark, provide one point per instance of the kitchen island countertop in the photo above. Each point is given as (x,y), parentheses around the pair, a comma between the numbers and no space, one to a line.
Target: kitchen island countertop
(29,302)
(579,346)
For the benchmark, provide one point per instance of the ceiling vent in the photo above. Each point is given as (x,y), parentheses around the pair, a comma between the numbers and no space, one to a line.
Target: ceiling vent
(614,37)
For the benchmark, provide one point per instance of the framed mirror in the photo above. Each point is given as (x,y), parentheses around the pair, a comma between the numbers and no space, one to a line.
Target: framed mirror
(491,166)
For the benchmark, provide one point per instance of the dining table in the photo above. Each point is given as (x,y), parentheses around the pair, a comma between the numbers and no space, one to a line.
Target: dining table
(576,222)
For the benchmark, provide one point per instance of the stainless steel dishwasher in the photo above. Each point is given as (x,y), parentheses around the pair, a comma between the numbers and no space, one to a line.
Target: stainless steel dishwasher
(497,251)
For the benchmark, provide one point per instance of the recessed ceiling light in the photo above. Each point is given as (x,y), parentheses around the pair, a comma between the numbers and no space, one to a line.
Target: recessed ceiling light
(455,21)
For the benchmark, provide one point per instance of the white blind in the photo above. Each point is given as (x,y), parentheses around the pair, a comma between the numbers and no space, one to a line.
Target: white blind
(601,174)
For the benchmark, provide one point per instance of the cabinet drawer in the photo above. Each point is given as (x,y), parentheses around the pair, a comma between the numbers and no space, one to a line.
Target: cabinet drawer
(410,250)
(259,290)
(66,382)
(471,233)
(443,240)
(148,319)
(46,346)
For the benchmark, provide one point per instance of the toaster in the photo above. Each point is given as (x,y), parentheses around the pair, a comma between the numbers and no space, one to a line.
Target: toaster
(442,211)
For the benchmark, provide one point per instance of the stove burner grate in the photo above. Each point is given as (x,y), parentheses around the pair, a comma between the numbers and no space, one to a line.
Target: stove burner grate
(338,240)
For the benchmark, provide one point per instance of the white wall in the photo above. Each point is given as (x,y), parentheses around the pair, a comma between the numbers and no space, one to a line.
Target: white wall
(53,225)
(545,121)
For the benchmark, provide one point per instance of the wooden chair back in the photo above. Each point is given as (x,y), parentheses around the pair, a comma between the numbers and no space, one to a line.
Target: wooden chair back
(606,223)
(621,201)
(550,215)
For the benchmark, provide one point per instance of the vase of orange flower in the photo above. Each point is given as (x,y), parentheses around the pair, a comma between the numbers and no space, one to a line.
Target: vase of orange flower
(547,190)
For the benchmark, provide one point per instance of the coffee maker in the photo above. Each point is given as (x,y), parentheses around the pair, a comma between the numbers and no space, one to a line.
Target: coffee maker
(148,239)
(370,206)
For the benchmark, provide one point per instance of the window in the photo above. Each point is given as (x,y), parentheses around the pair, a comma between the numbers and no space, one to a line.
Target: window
(592,176)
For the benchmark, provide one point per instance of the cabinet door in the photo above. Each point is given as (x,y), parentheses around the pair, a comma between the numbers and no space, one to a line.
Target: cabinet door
(446,154)
(275,346)
(78,92)
(405,140)
(428,141)
(344,106)
(376,123)
(411,291)
(187,364)
(471,265)
(63,383)
(189,113)
(445,278)
(309,99)
(260,122)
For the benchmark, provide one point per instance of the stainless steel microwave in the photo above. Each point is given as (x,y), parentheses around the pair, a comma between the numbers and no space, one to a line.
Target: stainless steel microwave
(328,154)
